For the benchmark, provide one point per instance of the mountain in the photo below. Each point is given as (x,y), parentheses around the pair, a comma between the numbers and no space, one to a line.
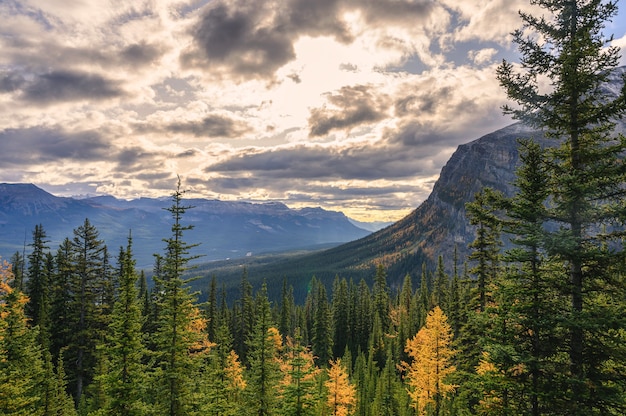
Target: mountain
(223,229)
(435,228)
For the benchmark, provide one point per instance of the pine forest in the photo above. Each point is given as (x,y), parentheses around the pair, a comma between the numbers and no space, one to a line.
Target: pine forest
(532,322)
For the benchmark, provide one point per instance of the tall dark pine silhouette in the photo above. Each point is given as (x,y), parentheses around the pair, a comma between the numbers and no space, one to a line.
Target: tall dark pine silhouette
(566,48)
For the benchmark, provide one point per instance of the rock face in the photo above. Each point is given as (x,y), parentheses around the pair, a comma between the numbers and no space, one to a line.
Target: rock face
(490,161)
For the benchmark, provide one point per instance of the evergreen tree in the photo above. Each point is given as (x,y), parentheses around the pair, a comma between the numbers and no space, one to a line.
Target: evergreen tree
(175,336)
(224,374)
(287,319)
(211,310)
(298,396)
(243,314)
(264,370)
(84,287)
(380,293)
(440,289)
(587,179)
(61,323)
(341,316)
(37,285)
(125,379)
(321,336)
(18,264)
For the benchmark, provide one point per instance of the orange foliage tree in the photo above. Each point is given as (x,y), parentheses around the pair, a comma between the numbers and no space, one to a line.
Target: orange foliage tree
(341,394)
(431,353)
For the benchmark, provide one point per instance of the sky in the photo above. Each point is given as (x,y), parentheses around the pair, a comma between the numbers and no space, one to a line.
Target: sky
(350,105)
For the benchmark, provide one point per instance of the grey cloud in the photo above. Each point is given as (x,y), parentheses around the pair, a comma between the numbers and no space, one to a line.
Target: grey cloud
(426,101)
(187,153)
(46,145)
(140,54)
(233,38)
(11,81)
(134,158)
(213,125)
(70,86)
(366,162)
(355,105)
(395,11)
(254,39)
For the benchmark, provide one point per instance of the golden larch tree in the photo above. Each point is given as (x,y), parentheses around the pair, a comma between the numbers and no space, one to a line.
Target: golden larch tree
(341,394)
(431,353)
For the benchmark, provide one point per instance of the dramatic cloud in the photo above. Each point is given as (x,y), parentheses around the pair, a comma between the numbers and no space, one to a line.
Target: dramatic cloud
(58,86)
(41,145)
(210,126)
(353,105)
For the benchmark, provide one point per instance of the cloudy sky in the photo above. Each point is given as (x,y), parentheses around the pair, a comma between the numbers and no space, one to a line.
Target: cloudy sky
(351,105)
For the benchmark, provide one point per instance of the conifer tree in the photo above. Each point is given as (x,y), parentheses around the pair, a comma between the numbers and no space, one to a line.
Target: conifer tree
(264,372)
(287,320)
(380,292)
(18,264)
(175,337)
(431,353)
(321,336)
(224,375)
(341,397)
(341,316)
(125,379)
(298,388)
(85,285)
(37,285)
(60,301)
(567,50)
(244,317)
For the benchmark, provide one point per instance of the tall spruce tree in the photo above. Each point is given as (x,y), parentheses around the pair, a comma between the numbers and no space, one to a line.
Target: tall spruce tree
(84,287)
(175,336)
(124,382)
(264,370)
(37,285)
(566,48)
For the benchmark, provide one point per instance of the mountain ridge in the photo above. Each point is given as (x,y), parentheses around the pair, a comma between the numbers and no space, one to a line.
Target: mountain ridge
(224,229)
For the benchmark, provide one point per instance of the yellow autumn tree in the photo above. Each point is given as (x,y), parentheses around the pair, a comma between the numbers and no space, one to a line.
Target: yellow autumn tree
(431,356)
(341,394)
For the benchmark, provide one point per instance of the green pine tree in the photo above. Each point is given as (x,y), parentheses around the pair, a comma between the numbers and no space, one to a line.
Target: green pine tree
(568,49)
(125,377)
(264,373)
(175,338)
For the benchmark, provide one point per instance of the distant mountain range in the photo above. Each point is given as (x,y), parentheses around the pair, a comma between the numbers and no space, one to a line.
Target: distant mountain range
(223,229)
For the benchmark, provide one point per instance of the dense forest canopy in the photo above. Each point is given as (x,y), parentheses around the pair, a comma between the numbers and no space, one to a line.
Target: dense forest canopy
(538,329)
